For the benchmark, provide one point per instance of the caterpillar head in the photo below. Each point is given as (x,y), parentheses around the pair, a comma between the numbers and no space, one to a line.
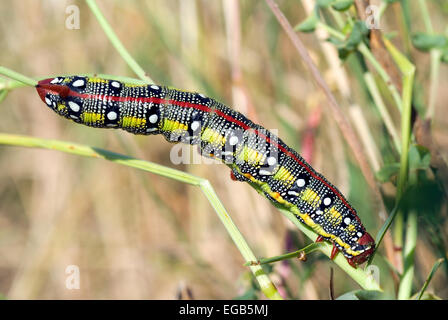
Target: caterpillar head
(60,94)
(368,245)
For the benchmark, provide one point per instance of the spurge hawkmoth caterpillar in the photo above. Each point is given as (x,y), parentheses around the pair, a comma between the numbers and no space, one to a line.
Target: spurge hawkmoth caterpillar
(252,153)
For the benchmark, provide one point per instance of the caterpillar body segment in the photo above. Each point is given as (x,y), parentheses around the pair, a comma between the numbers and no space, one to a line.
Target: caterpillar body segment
(253,153)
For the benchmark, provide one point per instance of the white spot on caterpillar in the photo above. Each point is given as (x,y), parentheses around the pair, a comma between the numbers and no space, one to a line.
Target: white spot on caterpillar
(74,106)
(201,95)
(347,220)
(153,118)
(48,101)
(79,83)
(151,129)
(73,116)
(155,87)
(300,183)
(115,84)
(293,193)
(56,80)
(265,173)
(272,161)
(233,140)
(112,115)
(327,201)
(195,125)
(319,211)
(359,234)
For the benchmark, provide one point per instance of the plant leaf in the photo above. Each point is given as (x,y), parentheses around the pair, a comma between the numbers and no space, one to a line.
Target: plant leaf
(387,172)
(364,295)
(342,5)
(309,24)
(425,42)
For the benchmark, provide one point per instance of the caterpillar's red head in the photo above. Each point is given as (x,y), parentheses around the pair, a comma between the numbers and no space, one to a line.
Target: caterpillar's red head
(52,86)
(366,241)
(62,95)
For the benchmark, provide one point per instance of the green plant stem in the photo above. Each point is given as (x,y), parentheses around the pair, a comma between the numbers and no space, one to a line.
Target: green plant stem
(405,288)
(380,235)
(408,71)
(291,255)
(425,15)
(17,76)
(265,283)
(435,55)
(428,279)
(384,113)
(383,74)
(116,42)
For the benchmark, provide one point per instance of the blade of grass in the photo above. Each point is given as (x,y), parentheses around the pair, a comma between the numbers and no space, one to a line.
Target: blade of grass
(291,255)
(116,42)
(17,76)
(428,279)
(408,71)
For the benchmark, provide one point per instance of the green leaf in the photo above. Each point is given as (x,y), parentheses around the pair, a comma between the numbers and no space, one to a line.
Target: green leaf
(425,42)
(342,5)
(426,296)
(387,172)
(358,32)
(335,41)
(444,57)
(309,24)
(426,197)
(428,279)
(419,157)
(364,295)
(324,3)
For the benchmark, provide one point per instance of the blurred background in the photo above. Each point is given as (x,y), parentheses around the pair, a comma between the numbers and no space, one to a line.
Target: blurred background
(135,235)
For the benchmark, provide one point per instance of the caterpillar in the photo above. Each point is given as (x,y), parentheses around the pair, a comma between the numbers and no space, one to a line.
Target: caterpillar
(253,154)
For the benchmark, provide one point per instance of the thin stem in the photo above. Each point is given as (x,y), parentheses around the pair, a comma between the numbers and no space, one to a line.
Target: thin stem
(291,255)
(17,76)
(435,55)
(408,71)
(425,15)
(117,43)
(332,31)
(428,279)
(383,74)
(405,289)
(382,109)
